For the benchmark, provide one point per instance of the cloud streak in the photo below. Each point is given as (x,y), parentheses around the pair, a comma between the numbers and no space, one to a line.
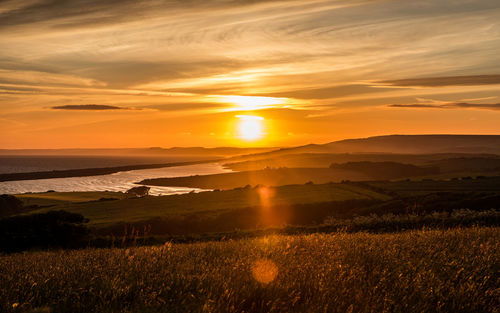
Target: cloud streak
(329,92)
(169,58)
(473,80)
(87,107)
(449,105)
(85,13)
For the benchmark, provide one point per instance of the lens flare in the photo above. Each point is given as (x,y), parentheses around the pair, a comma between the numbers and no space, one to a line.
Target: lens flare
(264,271)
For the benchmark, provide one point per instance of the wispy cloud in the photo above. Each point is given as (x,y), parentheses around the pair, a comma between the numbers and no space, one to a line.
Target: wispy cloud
(78,13)
(87,107)
(449,105)
(329,92)
(171,57)
(446,81)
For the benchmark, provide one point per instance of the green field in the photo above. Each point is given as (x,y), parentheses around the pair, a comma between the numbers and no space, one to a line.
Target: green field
(106,213)
(425,186)
(267,177)
(447,162)
(418,271)
(208,205)
(66,198)
(363,171)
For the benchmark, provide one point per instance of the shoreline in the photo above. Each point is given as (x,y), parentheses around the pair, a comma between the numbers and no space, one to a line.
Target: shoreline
(85,172)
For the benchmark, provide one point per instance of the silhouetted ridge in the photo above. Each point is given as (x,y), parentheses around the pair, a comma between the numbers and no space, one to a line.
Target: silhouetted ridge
(419,144)
(398,144)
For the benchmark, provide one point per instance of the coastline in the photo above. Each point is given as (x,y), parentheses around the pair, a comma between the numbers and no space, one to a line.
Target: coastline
(92,171)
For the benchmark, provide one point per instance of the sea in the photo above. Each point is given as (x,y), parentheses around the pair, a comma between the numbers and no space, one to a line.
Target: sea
(120,181)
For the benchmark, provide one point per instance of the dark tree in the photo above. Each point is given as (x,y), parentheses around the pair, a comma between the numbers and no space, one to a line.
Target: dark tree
(54,229)
(10,205)
(140,191)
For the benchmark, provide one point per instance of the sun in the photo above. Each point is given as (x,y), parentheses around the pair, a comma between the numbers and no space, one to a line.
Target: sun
(250,127)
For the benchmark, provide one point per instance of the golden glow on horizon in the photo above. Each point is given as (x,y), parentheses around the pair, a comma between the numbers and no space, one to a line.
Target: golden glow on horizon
(250,127)
(250,103)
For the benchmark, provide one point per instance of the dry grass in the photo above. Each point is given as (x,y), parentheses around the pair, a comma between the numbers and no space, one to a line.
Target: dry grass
(418,271)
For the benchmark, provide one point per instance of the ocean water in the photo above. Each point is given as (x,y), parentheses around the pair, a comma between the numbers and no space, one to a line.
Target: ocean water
(120,181)
(41,163)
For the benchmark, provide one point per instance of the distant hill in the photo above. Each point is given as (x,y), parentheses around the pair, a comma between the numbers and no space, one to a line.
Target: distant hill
(385,170)
(398,144)
(354,171)
(420,144)
(153,151)
(447,162)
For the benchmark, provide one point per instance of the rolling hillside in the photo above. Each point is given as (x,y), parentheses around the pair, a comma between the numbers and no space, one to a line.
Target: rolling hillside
(400,144)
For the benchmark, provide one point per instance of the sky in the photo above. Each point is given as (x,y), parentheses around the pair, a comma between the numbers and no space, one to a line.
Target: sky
(123,73)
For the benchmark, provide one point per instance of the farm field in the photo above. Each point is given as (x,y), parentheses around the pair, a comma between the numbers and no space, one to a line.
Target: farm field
(416,271)
(65,198)
(257,207)
(378,172)
(448,161)
(267,177)
(106,213)
(425,186)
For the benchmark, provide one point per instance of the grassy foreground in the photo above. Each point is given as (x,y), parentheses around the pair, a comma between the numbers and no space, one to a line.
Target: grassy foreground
(418,271)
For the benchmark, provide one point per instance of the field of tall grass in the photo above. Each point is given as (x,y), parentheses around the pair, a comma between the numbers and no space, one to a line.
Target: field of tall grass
(454,270)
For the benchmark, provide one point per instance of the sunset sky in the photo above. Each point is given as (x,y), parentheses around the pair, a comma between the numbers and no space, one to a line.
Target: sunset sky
(122,73)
